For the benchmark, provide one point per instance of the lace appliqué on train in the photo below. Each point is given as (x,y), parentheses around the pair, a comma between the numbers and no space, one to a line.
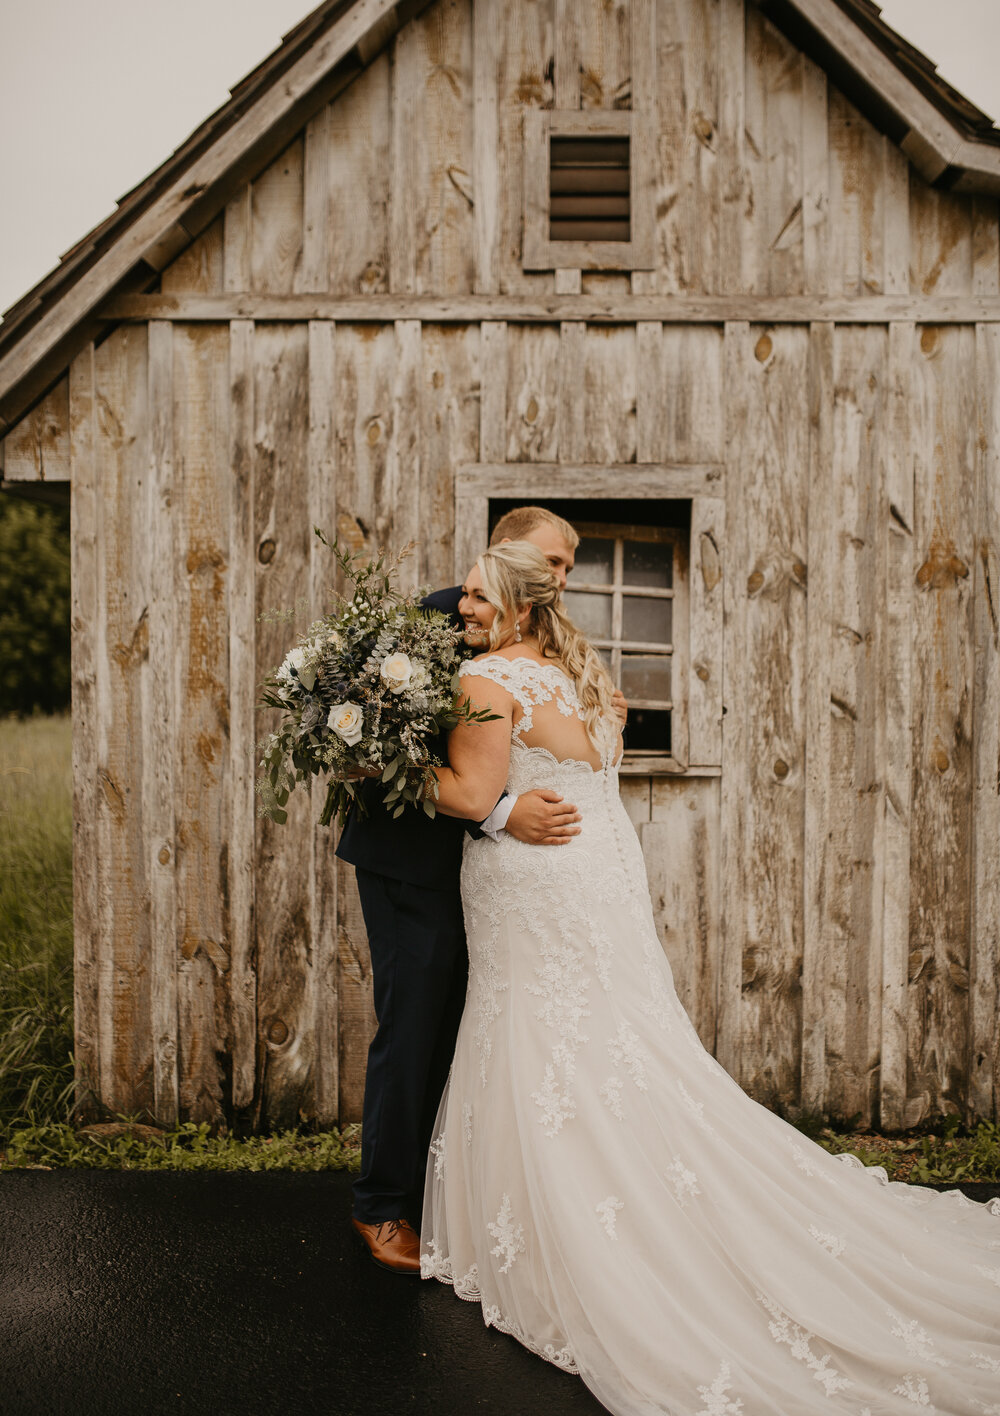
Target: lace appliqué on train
(509,1236)
(607,1212)
(717,1396)
(797,1339)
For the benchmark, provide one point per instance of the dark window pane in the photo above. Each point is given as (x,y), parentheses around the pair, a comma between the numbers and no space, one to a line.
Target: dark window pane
(648,621)
(590,613)
(648,730)
(595,559)
(649,563)
(646,676)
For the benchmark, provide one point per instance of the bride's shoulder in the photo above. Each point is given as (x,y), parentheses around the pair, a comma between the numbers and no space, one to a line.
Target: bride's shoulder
(494,664)
(503,669)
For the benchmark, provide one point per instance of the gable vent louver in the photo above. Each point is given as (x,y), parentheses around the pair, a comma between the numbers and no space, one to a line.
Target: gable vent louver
(589,189)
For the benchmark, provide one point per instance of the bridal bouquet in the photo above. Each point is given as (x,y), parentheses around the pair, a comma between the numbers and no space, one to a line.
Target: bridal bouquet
(367,691)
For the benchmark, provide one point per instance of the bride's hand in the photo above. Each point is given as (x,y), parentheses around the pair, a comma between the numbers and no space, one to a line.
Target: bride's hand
(542,818)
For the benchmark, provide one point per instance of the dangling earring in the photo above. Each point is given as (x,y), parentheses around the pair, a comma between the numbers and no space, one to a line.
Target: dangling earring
(517,632)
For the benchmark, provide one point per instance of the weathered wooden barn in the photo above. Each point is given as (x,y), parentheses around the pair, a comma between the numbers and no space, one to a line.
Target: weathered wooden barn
(719,277)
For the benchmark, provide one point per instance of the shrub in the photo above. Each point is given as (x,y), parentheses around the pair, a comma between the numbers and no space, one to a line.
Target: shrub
(34,607)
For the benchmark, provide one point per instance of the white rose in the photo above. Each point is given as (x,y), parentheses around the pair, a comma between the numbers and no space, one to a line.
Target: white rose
(397,671)
(347,721)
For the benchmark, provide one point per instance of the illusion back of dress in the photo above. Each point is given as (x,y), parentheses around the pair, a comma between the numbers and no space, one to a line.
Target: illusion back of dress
(548,715)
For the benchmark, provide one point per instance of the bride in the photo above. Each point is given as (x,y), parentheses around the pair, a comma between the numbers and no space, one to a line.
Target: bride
(598,1182)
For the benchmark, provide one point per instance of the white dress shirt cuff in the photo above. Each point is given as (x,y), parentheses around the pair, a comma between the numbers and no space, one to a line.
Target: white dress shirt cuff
(498,817)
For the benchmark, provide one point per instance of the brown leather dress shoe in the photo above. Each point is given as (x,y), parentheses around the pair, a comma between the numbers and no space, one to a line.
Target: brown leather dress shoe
(392,1243)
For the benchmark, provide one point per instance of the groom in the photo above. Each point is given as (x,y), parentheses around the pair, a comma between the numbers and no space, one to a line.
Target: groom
(408,880)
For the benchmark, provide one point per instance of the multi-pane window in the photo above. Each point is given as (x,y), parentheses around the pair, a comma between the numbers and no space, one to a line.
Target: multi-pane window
(628,595)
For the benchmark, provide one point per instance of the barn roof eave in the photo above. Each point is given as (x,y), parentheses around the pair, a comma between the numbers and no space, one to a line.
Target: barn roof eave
(950,142)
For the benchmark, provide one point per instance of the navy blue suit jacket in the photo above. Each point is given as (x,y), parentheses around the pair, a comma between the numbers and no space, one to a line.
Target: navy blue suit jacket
(411,846)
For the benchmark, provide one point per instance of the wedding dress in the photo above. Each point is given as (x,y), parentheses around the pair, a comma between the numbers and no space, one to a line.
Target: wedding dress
(620,1206)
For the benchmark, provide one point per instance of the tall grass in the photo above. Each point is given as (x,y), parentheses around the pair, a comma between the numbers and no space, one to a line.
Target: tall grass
(36,920)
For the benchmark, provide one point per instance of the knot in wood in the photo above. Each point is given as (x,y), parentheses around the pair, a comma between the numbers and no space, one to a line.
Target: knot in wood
(703,129)
(754,582)
(943,568)
(941,760)
(781,769)
(763,349)
(711,568)
(531,412)
(277,1031)
(265,552)
(164,855)
(374,432)
(701,672)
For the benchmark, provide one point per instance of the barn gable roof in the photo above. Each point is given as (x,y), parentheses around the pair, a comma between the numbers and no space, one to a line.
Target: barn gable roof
(167,211)
(950,142)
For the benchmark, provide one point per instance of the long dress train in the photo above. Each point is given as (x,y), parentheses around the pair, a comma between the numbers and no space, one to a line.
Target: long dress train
(619,1205)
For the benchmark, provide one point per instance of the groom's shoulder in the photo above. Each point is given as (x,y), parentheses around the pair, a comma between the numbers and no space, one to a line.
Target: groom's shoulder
(444,600)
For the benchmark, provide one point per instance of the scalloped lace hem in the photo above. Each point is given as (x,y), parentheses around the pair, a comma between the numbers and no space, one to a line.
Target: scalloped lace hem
(467,1288)
(916,1194)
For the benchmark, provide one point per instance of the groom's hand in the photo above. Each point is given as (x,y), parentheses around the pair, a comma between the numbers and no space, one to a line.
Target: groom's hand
(542,818)
(620,706)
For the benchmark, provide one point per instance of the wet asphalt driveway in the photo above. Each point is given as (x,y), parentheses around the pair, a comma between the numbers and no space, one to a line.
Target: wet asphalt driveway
(190,1293)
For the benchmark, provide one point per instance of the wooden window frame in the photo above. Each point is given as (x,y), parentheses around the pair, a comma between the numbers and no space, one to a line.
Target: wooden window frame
(676,651)
(539,252)
(696,727)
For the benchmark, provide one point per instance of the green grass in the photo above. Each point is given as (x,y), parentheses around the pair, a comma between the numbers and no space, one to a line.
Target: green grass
(185,1147)
(36,920)
(943,1150)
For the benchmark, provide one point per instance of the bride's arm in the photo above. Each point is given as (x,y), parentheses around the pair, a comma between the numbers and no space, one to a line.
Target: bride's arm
(478,754)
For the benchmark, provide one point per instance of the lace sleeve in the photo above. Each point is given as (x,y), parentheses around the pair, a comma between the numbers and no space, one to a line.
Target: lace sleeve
(496,669)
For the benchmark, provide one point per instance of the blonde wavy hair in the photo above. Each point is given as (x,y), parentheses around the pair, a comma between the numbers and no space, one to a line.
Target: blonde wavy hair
(516,574)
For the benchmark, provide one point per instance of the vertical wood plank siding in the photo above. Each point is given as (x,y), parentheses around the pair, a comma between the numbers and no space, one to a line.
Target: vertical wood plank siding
(160,714)
(830,904)
(821,557)
(943,411)
(202,724)
(984,1062)
(89,862)
(121,453)
(324,1101)
(774,582)
(898,549)
(285,865)
(243,730)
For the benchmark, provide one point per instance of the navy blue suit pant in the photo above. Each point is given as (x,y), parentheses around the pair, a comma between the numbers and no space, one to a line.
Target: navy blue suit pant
(419,972)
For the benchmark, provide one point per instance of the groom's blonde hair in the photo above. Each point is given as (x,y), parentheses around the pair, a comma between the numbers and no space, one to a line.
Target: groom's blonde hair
(516,574)
(522,520)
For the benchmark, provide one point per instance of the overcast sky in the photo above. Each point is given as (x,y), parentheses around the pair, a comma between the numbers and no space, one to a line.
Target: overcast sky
(96,94)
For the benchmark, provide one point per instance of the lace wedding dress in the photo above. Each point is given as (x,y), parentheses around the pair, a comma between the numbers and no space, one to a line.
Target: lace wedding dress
(619,1205)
